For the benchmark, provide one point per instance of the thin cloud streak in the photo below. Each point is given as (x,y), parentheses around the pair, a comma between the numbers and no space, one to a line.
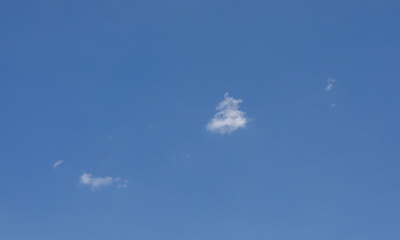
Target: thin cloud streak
(58,163)
(94,183)
(228,118)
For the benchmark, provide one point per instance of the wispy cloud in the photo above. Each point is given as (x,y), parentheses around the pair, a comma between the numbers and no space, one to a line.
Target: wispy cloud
(228,118)
(333,105)
(121,183)
(97,182)
(58,163)
(329,84)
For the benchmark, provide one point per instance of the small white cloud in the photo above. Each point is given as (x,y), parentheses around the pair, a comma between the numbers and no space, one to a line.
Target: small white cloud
(228,118)
(329,84)
(58,163)
(96,182)
(333,105)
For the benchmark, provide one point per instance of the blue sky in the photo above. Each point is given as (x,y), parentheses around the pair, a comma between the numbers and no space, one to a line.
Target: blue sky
(199,120)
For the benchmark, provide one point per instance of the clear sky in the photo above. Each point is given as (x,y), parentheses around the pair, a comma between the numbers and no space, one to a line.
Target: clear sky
(194,120)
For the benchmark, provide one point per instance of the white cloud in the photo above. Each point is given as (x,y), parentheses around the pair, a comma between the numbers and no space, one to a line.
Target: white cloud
(329,84)
(228,118)
(333,105)
(58,163)
(96,182)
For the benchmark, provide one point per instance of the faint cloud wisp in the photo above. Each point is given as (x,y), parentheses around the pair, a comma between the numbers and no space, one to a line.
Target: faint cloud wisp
(228,118)
(58,163)
(121,183)
(329,84)
(97,182)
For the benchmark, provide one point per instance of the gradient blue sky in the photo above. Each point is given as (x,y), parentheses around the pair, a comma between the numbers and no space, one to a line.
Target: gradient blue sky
(126,89)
